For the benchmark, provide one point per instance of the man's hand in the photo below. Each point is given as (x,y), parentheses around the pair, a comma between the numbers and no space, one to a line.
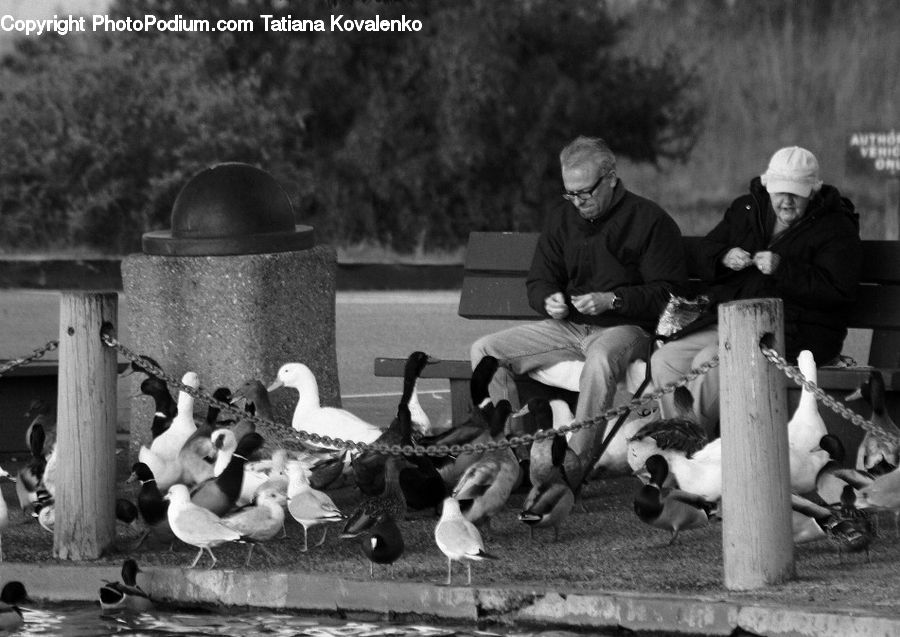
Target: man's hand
(593,303)
(737,259)
(556,307)
(766,261)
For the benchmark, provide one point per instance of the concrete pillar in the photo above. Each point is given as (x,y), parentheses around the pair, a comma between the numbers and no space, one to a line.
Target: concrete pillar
(233,292)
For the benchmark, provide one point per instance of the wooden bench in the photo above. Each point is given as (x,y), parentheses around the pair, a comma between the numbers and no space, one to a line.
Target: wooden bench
(497,264)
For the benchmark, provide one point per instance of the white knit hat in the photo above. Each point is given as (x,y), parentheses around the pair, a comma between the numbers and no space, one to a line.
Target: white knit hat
(794,170)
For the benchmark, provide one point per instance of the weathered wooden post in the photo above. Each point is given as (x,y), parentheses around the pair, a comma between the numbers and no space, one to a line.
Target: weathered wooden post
(86,428)
(757,539)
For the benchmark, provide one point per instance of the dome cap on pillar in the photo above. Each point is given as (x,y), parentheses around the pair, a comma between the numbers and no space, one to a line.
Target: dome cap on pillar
(230,209)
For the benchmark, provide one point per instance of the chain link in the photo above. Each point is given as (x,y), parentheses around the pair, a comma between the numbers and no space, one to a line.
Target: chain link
(437,450)
(36,354)
(836,406)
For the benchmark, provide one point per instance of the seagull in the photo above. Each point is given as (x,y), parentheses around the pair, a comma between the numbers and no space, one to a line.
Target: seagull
(310,507)
(458,539)
(195,525)
(260,522)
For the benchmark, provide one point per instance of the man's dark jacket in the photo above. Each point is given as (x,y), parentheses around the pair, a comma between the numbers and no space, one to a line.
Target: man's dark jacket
(634,249)
(821,257)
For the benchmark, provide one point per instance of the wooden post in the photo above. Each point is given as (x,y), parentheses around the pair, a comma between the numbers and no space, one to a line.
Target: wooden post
(757,537)
(86,428)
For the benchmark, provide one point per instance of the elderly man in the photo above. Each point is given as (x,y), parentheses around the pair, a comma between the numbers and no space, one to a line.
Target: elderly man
(601,274)
(790,237)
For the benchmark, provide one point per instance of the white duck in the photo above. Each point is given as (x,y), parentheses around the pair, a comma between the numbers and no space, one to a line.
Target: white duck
(162,455)
(311,417)
(806,427)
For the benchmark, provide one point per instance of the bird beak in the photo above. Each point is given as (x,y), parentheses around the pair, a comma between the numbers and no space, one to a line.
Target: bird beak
(856,395)
(432,360)
(524,410)
(275,385)
(125,373)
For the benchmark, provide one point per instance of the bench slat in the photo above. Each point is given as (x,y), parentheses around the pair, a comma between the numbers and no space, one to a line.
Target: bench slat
(499,252)
(495,297)
(453,369)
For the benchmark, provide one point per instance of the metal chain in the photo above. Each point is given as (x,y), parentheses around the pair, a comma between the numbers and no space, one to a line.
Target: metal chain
(437,450)
(836,406)
(36,354)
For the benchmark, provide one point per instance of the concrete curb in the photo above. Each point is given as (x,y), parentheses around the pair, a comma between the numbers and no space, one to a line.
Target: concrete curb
(285,590)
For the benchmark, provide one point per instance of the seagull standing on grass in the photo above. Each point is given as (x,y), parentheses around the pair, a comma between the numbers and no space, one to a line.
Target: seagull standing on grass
(195,525)
(459,539)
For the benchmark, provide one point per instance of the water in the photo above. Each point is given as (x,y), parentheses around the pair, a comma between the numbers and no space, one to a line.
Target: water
(86,620)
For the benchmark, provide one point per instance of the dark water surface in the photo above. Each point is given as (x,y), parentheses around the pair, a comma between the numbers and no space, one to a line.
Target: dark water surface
(86,620)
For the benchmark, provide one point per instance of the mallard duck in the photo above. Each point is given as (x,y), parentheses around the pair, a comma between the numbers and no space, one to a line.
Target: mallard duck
(39,413)
(255,398)
(260,522)
(669,509)
(548,504)
(806,464)
(391,501)
(848,528)
(151,505)
(311,417)
(219,494)
(877,454)
(328,469)
(195,525)
(164,405)
(125,595)
(11,596)
(310,507)
(415,363)
(486,485)
(383,542)
(806,427)
(458,539)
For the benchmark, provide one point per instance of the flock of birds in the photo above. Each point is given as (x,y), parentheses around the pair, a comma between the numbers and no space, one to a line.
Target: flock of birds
(213,482)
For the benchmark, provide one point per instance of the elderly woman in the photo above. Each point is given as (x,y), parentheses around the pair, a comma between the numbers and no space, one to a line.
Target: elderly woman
(790,237)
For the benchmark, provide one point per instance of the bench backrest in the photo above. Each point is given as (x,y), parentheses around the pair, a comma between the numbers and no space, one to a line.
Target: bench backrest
(497,264)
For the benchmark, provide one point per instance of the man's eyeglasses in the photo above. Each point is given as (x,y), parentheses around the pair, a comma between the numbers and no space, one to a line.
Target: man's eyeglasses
(585,194)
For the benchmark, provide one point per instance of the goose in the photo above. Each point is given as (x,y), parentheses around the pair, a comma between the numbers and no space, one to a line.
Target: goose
(260,522)
(310,507)
(368,466)
(169,443)
(474,430)
(30,478)
(877,454)
(486,485)
(125,595)
(882,494)
(806,427)
(548,504)
(383,542)
(669,509)
(11,596)
(681,435)
(391,501)
(846,527)
(311,417)
(614,461)
(544,452)
(194,525)
(152,506)
(458,539)
(219,494)
(198,454)
(4,512)
(422,486)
